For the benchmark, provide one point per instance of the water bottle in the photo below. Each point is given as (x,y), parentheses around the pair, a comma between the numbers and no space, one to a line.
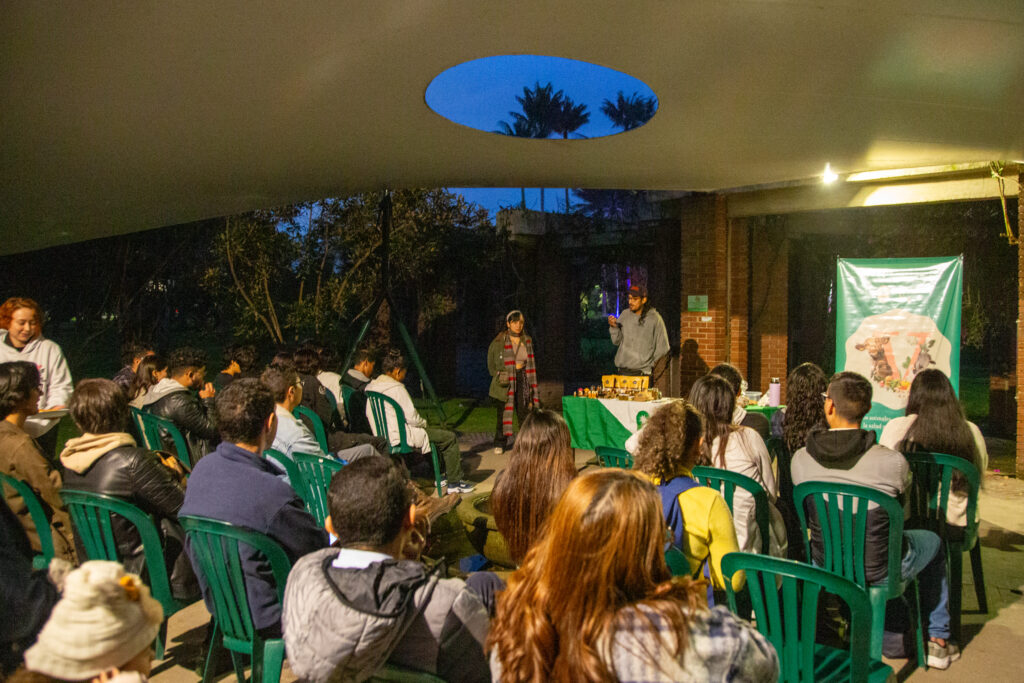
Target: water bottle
(774,392)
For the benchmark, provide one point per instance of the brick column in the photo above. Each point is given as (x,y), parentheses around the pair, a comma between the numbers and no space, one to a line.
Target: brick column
(708,338)
(1020,317)
(769,304)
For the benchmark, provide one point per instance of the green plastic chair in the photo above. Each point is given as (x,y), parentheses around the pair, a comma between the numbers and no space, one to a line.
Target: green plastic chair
(290,469)
(155,427)
(842,513)
(215,554)
(38,514)
(614,457)
(318,425)
(677,562)
(91,513)
(787,616)
(346,399)
(726,482)
(138,426)
(316,472)
(399,674)
(379,406)
(929,500)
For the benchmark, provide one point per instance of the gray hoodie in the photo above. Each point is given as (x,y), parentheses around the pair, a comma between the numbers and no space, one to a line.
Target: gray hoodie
(640,345)
(344,624)
(164,387)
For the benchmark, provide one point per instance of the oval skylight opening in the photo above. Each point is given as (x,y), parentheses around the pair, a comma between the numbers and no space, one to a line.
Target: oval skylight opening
(533,96)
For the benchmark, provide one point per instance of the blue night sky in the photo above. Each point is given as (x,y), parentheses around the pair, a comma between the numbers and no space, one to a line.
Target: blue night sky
(482,92)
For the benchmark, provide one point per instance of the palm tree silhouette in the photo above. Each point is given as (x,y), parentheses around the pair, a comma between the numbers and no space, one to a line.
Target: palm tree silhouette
(630,112)
(539,110)
(569,118)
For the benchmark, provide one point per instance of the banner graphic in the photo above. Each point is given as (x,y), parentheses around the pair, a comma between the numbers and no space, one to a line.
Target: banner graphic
(894,318)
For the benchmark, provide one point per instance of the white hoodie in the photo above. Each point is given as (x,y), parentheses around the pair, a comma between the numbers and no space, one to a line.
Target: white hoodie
(55,383)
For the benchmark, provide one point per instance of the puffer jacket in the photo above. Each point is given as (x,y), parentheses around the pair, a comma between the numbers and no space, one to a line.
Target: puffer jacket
(193,416)
(111,464)
(344,624)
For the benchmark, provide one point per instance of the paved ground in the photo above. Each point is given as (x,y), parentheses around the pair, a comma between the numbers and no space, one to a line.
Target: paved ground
(990,640)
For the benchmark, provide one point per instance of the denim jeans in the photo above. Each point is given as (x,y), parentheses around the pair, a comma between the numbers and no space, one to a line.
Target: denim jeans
(926,560)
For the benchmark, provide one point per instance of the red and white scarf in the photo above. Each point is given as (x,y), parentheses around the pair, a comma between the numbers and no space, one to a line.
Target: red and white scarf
(509,356)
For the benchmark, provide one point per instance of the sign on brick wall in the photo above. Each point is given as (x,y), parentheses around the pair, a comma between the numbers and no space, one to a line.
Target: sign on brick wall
(896,317)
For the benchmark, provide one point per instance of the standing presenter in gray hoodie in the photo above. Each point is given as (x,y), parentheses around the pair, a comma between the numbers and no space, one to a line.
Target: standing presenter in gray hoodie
(640,335)
(21,338)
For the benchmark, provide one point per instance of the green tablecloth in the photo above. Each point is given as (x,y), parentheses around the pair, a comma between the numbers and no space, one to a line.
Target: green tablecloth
(767,411)
(592,423)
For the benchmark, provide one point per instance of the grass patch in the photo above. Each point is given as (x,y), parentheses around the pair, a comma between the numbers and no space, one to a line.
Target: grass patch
(464,414)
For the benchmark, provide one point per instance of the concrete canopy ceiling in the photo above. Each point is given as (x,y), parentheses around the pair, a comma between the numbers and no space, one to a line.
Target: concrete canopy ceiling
(119,117)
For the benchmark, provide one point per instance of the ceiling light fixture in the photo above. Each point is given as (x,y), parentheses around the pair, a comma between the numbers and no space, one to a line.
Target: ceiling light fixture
(829,176)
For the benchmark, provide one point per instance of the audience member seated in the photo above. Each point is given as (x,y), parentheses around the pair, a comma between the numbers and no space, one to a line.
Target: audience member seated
(151,370)
(733,447)
(106,460)
(540,467)
(847,454)
(235,484)
(357,377)
(21,458)
(349,611)
(314,397)
(26,592)
(242,361)
(418,434)
(669,448)
(133,355)
(804,411)
(594,600)
(292,435)
(101,631)
(327,376)
(935,423)
(740,415)
(172,398)
(21,339)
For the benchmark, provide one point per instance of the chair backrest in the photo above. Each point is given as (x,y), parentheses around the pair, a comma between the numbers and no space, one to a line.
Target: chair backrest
(726,483)
(613,457)
(787,614)
(842,514)
(677,562)
(379,405)
(138,426)
(91,515)
(215,553)
(929,492)
(290,468)
(153,429)
(346,399)
(316,471)
(39,518)
(318,426)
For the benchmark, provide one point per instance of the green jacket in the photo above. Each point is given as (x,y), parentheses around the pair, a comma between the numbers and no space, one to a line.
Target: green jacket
(496,366)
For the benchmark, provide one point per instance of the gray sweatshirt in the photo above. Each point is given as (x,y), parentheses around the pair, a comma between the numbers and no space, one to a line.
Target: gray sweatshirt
(640,346)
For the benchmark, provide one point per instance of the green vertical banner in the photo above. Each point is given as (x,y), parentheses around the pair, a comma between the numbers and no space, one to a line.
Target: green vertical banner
(895,318)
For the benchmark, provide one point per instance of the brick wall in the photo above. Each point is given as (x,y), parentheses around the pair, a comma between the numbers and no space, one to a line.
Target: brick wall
(769,304)
(708,338)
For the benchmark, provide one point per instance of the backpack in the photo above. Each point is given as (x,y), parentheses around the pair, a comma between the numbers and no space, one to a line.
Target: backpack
(670,492)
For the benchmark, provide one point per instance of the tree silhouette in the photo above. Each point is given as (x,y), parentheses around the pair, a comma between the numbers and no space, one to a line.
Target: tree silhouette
(569,118)
(540,108)
(630,112)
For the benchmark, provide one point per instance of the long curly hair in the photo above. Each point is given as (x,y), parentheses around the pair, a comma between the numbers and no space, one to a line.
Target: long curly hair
(540,467)
(941,426)
(669,440)
(714,397)
(805,408)
(602,553)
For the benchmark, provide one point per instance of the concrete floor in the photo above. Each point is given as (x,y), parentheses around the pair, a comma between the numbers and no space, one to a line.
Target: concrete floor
(990,640)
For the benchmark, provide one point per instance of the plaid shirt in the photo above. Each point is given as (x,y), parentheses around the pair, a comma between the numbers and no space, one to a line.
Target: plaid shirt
(720,647)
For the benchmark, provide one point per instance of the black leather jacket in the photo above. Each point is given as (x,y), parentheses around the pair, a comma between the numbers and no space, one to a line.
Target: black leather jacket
(193,417)
(137,476)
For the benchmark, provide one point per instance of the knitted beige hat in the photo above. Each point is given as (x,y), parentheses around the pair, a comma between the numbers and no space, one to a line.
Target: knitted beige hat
(104,618)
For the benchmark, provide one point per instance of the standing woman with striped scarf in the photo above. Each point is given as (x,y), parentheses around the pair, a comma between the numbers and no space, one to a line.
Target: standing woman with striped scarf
(513,377)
